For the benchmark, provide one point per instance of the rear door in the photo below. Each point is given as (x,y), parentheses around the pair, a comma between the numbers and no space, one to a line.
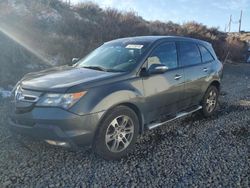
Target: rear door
(196,71)
(163,91)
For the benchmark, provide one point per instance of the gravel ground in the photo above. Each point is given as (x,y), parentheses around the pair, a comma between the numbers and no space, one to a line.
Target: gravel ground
(191,152)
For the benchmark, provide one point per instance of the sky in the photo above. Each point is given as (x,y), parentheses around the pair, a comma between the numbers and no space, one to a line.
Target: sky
(214,13)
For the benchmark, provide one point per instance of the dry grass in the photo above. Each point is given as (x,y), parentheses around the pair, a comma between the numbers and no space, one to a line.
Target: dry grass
(74,31)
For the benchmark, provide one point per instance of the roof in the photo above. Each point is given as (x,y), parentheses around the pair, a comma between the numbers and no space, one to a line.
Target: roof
(152,39)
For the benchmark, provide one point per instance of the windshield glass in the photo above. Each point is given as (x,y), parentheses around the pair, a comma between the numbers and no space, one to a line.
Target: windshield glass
(114,57)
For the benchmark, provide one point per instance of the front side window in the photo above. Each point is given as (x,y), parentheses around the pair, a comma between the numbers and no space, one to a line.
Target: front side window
(114,57)
(165,54)
(205,54)
(189,54)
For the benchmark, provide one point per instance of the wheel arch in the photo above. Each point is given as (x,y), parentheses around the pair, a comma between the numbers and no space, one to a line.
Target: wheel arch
(130,105)
(216,83)
(138,113)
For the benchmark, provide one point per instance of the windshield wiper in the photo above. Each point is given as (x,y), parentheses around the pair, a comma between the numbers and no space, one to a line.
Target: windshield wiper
(95,68)
(101,69)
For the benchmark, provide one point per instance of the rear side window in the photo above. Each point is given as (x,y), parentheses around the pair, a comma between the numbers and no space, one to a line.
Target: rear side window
(164,54)
(205,54)
(189,54)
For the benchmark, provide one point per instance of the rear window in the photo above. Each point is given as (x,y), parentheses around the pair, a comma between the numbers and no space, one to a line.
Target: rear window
(205,54)
(189,54)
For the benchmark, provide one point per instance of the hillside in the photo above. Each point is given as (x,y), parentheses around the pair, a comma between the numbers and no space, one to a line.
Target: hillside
(244,36)
(44,33)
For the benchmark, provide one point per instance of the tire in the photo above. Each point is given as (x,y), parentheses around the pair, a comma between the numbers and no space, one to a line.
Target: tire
(210,101)
(114,139)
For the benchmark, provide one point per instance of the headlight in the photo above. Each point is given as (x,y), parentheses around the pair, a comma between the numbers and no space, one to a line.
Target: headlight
(60,100)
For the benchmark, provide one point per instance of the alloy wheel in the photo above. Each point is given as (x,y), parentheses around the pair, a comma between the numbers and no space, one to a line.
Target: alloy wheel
(211,101)
(119,134)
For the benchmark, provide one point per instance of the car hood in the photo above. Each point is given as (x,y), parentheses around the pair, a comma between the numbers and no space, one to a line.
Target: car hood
(60,79)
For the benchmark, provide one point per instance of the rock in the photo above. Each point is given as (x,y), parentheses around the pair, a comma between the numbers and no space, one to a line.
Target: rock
(7,183)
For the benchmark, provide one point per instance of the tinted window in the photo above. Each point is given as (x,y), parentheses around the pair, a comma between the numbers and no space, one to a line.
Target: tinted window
(189,54)
(205,54)
(164,54)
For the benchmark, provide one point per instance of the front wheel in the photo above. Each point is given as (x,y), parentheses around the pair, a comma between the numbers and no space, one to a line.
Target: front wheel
(117,133)
(210,101)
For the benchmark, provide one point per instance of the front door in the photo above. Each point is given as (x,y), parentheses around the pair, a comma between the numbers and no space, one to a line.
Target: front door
(163,91)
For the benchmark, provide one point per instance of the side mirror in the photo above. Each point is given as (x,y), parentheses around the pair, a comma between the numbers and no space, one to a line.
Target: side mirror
(74,61)
(157,69)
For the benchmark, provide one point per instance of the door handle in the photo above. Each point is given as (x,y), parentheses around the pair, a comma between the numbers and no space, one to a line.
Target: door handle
(205,69)
(177,77)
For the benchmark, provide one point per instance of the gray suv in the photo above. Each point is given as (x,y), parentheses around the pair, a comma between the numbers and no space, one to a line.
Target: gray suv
(121,89)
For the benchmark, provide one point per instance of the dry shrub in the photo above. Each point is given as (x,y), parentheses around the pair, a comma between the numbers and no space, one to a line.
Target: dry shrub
(86,26)
(236,48)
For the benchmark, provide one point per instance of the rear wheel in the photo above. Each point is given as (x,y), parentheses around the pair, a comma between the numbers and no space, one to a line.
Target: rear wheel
(210,101)
(117,133)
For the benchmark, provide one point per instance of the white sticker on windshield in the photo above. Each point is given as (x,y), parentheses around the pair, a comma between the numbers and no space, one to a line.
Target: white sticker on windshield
(134,46)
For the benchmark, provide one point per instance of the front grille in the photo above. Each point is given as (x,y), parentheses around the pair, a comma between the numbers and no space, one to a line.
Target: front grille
(30,98)
(26,95)
(25,100)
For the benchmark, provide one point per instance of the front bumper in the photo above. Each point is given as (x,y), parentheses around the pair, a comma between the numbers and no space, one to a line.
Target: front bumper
(56,126)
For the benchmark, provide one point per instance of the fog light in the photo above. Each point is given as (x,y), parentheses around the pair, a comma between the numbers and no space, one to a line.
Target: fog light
(57,143)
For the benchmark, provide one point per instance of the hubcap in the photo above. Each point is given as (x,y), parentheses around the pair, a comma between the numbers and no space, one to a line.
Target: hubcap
(211,101)
(119,134)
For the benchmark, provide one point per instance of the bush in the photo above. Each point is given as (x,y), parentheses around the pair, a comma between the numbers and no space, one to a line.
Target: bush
(65,32)
(236,48)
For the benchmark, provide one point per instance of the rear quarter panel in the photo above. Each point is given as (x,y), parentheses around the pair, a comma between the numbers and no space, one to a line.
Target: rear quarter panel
(216,72)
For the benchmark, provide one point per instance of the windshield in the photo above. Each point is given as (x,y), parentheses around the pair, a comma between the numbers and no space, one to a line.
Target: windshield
(114,57)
